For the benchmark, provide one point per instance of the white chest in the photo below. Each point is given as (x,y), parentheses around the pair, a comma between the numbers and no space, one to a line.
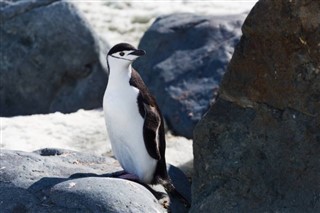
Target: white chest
(121,104)
(122,118)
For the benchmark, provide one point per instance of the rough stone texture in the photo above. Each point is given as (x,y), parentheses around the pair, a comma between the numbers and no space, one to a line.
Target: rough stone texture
(50,59)
(55,180)
(257,149)
(186,59)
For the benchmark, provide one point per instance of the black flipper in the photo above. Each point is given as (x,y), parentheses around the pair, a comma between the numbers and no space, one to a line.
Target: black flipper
(154,135)
(151,131)
(152,118)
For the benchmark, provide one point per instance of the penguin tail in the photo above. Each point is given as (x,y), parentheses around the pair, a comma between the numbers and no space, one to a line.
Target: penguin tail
(171,190)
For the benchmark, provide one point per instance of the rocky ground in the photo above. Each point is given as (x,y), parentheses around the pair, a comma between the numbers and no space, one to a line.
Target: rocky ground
(56,180)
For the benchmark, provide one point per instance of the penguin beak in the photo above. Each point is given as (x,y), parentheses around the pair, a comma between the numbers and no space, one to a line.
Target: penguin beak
(138,52)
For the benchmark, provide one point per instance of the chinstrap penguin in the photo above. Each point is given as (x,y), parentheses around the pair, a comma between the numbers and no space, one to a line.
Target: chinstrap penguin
(134,122)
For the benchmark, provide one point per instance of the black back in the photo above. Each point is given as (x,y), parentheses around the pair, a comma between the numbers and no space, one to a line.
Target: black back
(153,122)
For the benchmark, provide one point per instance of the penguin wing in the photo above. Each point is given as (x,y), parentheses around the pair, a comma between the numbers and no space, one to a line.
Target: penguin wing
(152,118)
(152,121)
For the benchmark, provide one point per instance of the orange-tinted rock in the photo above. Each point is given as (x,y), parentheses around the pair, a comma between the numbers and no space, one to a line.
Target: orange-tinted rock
(257,149)
(278,58)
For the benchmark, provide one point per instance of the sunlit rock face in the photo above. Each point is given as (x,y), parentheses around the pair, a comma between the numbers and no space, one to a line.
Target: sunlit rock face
(187,55)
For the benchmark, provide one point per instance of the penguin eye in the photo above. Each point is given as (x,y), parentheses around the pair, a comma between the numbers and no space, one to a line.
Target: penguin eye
(121,53)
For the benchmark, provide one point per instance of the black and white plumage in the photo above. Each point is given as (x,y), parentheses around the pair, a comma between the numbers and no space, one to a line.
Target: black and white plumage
(134,121)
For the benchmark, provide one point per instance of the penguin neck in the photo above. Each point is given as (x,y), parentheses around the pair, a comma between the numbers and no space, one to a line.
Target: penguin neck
(119,73)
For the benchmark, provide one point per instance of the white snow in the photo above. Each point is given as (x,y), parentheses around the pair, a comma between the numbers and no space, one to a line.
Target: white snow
(83,131)
(126,21)
(115,21)
(80,131)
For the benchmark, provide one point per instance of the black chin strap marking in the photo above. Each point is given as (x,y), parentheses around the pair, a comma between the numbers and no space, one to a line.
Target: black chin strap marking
(120,58)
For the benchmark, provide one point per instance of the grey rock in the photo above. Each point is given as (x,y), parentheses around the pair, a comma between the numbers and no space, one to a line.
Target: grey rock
(94,194)
(257,149)
(51,59)
(186,59)
(56,180)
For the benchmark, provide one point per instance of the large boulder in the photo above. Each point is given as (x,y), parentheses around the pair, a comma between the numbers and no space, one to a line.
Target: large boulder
(257,149)
(186,58)
(50,59)
(56,180)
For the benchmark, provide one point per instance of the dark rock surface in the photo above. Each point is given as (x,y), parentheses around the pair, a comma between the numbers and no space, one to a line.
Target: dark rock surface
(55,180)
(257,149)
(50,59)
(186,59)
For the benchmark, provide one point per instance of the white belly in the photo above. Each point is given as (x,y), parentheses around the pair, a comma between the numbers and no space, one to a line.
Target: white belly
(125,129)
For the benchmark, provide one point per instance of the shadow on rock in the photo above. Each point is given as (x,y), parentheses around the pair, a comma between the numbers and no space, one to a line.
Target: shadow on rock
(56,180)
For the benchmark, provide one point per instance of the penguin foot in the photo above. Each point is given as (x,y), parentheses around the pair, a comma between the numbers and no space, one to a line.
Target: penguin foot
(129,176)
(125,175)
(118,173)
(171,190)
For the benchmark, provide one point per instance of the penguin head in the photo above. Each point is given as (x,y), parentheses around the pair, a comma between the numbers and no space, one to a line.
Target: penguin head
(123,54)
